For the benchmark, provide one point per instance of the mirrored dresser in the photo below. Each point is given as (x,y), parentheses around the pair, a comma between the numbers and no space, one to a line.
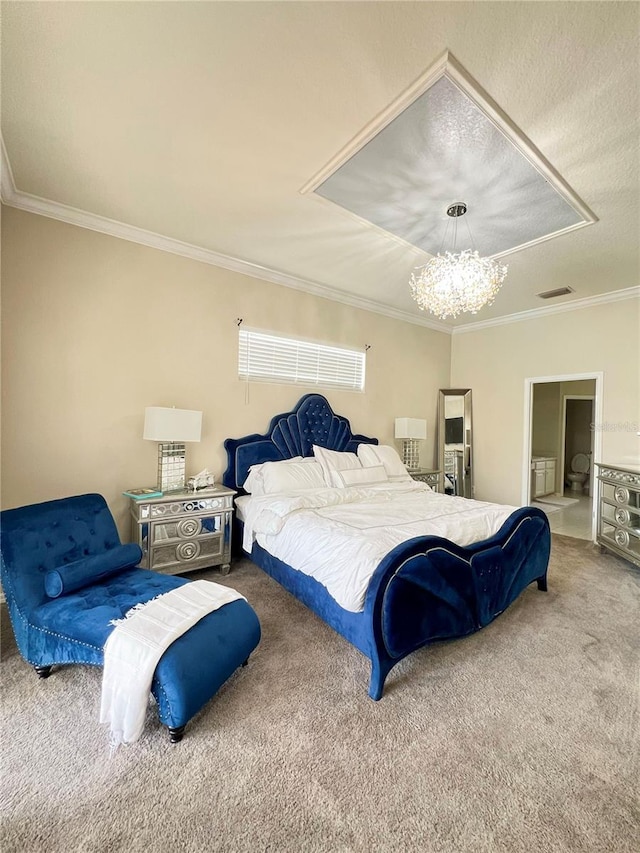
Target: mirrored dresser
(619,510)
(183,531)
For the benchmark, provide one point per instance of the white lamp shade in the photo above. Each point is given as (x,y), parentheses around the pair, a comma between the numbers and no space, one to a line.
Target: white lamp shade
(172,425)
(410,428)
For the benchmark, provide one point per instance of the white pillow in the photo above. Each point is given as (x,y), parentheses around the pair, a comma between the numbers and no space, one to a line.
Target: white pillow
(333,461)
(382,454)
(361,476)
(253,484)
(294,477)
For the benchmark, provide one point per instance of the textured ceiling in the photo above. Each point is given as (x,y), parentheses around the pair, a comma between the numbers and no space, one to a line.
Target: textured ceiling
(202,121)
(441,149)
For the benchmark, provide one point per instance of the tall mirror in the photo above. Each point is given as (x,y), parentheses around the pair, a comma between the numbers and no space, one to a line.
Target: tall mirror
(455,441)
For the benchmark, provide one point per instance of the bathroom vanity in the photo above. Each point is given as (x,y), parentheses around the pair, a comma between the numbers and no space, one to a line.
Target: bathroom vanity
(543,476)
(619,510)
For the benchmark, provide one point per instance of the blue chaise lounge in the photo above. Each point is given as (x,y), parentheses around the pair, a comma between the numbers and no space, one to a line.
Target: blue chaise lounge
(66,576)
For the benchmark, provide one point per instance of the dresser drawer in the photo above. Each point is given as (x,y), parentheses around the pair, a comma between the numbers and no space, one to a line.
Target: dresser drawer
(185,528)
(186,555)
(626,539)
(177,508)
(620,495)
(621,515)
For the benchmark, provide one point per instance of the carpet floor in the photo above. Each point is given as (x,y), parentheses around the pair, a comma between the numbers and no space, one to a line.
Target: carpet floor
(522,737)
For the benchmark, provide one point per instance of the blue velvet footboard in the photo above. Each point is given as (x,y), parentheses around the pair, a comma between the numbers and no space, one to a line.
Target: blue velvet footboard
(428,589)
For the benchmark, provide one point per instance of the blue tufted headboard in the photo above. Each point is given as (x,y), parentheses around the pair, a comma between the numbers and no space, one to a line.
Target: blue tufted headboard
(291,434)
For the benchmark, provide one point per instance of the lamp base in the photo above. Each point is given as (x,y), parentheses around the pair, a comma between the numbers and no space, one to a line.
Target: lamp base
(411,454)
(172,460)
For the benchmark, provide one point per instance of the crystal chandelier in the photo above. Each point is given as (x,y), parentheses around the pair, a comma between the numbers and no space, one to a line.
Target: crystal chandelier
(451,283)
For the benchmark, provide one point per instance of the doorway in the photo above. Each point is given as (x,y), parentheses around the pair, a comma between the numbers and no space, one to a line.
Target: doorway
(560,413)
(578,417)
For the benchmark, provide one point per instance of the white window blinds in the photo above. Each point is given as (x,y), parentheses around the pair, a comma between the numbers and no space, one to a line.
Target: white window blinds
(265,357)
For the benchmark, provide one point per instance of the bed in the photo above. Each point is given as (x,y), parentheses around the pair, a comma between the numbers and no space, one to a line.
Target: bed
(424,589)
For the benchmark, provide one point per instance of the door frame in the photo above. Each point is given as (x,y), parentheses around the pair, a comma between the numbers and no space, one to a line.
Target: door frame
(529,382)
(566,397)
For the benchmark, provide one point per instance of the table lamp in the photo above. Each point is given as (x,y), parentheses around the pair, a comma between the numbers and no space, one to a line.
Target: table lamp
(172,428)
(410,430)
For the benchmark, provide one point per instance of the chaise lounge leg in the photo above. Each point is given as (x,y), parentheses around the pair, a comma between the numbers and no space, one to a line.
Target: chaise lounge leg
(542,583)
(43,671)
(176,733)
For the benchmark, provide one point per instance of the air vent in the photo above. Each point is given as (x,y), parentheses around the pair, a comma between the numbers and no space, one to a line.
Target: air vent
(551,294)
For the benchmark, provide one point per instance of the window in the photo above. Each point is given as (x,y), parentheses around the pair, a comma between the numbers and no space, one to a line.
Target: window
(266,357)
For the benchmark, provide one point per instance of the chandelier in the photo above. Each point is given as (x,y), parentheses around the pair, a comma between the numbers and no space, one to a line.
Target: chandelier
(451,283)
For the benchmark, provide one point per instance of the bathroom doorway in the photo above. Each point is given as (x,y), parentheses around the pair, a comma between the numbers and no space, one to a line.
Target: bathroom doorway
(578,418)
(561,414)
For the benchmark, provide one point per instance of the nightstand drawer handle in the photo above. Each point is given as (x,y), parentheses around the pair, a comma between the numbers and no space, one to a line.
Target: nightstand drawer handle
(188,527)
(188,551)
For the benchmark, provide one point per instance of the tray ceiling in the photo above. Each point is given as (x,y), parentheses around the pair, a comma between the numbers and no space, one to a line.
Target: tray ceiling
(443,148)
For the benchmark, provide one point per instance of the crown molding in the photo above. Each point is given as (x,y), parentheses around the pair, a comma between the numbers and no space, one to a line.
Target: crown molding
(433,73)
(534,313)
(7,184)
(12,197)
(82,219)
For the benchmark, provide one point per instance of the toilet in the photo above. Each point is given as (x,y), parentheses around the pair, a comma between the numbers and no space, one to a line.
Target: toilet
(579,472)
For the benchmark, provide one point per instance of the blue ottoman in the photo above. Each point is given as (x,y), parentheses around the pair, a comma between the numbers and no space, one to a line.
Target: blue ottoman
(79,535)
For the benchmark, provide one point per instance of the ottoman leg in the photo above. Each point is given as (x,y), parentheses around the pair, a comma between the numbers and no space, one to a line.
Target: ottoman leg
(43,671)
(176,733)
(199,662)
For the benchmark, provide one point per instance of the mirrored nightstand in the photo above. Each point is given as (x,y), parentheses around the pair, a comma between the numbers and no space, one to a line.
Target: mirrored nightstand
(183,531)
(430,476)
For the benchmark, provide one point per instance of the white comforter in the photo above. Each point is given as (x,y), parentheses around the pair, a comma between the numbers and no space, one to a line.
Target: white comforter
(339,536)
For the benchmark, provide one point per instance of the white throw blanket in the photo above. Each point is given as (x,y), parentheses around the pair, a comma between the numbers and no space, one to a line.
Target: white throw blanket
(137,643)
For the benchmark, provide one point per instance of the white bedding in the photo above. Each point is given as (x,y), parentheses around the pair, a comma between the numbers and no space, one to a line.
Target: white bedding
(339,536)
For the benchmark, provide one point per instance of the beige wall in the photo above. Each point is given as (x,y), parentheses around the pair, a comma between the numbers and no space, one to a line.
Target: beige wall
(95,328)
(495,362)
(545,419)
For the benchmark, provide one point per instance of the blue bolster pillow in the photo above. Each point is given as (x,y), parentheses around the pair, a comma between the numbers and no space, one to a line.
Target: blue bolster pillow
(74,576)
